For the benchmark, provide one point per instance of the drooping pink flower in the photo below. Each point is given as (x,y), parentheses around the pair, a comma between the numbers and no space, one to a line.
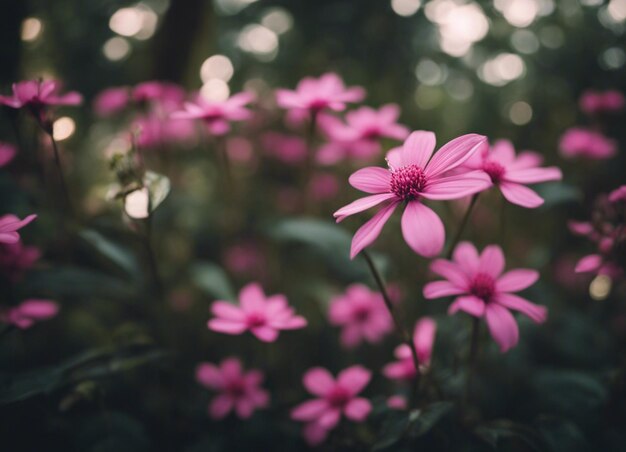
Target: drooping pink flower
(218,115)
(362,315)
(15,259)
(111,101)
(594,102)
(262,316)
(334,399)
(29,312)
(412,177)
(483,290)
(237,390)
(424,339)
(289,149)
(618,195)
(36,95)
(7,153)
(579,142)
(10,224)
(359,137)
(511,173)
(317,94)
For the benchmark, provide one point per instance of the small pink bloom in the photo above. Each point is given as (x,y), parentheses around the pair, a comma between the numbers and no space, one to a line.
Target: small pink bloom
(9,224)
(217,115)
(37,94)
(424,339)
(15,259)
(482,290)
(324,186)
(289,149)
(511,173)
(362,314)
(397,402)
(583,228)
(593,102)
(165,93)
(413,176)
(29,312)
(598,264)
(326,92)
(618,195)
(237,390)
(7,153)
(245,259)
(240,149)
(111,101)
(335,397)
(579,142)
(262,316)
(155,131)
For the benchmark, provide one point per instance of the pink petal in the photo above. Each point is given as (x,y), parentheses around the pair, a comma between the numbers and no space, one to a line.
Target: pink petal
(354,378)
(454,153)
(424,338)
(588,263)
(309,410)
(227,311)
(209,375)
(422,229)
(491,261)
(370,231)
(9,237)
(220,406)
(520,195)
(226,326)
(468,303)
(457,186)
(318,381)
(362,204)
(371,180)
(438,289)
(314,434)
(399,370)
(451,271)
(515,280)
(533,175)
(38,309)
(466,255)
(244,407)
(502,152)
(502,326)
(252,297)
(418,148)
(536,313)
(10,223)
(330,418)
(358,409)
(265,333)
(231,368)
(394,158)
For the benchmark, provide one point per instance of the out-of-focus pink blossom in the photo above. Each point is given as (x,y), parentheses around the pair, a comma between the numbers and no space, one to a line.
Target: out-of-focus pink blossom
(289,149)
(7,153)
(37,94)
(359,137)
(362,315)
(15,259)
(237,390)
(111,101)
(482,290)
(29,312)
(317,94)
(245,259)
(424,339)
(155,131)
(167,94)
(334,399)
(239,149)
(324,186)
(618,195)
(262,316)
(218,115)
(579,142)
(397,402)
(598,264)
(511,173)
(593,102)
(10,224)
(413,176)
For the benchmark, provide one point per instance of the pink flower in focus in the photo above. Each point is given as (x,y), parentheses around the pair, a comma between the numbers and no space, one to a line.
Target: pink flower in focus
(289,149)
(413,176)
(217,115)
(37,94)
(262,316)
(15,259)
(111,101)
(9,224)
(617,195)
(326,92)
(334,399)
(324,186)
(7,153)
(359,137)
(511,173)
(423,338)
(483,291)
(362,314)
(593,102)
(29,312)
(579,142)
(239,391)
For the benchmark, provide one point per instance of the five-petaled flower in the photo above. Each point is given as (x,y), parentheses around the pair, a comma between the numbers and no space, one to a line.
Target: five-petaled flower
(262,316)
(423,338)
(482,290)
(10,224)
(238,390)
(412,177)
(317,94)
(334,399)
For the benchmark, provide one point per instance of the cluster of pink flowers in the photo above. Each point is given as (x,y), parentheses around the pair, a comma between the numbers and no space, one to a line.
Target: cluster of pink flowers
(594,102)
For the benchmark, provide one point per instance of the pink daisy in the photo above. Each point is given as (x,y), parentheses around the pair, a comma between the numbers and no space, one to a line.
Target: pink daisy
(9,224)
(317,94)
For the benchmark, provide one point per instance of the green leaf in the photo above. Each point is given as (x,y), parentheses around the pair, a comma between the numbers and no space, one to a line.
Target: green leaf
(430,416)
(495,432)
(111,251)
(112,432)
(212,280)
(555,193)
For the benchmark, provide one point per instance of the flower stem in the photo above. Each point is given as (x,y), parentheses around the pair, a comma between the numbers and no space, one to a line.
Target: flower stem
(59,165)
(151,257)
(464,222)
(473,354)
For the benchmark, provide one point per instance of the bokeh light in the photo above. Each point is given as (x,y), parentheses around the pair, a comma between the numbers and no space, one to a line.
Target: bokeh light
(116,49)
(217,66)
(63,128)
(405,8)
(32,28)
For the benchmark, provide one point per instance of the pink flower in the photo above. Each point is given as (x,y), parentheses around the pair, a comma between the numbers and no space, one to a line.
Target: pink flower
(593,102)
(245,258)
(9,224)
(483,291)
(597,264)
(29,312)
(359,137)
(413,176)
(579,142)
(217,115)
(397,402)
(165,93)
(7,153)
(617,195)
(423,338)
(15,258)
(37,94)
(323,186)
(289,149)
(262,316)
(326,92)
(334,399)
(362,314)
(111,101)
(511,173)
(239,391)
(156,131)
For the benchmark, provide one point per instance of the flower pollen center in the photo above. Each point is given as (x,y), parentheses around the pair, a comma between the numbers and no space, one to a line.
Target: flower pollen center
(483,286)
(408,182)
(236,388)
(494,170)
(255,319)
(338,397)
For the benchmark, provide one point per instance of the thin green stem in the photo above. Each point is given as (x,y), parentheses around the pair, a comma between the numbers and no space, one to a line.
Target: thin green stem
(59,165)
(472,359)
(464,221)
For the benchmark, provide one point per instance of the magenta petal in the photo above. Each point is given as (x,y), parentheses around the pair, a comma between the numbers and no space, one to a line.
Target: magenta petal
(492,261)
(318,381)
(358,409)
(9,237)
(438,289)
(536,313)
(588,263)
(451,271)
(227,326)
(252,297)
(422,229)
(470,304)
(309,410)
(354,378)
(362,204)
(220,406)
(227,311)
(209,375)
(534,175)
(502,326)
(330,418)
(458,186)
(515,280)
(454,153)
(424,338)
(370,231)
(314,434)
(371,180)
(265,333)
(466,255)
(418,148)
(520,195)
